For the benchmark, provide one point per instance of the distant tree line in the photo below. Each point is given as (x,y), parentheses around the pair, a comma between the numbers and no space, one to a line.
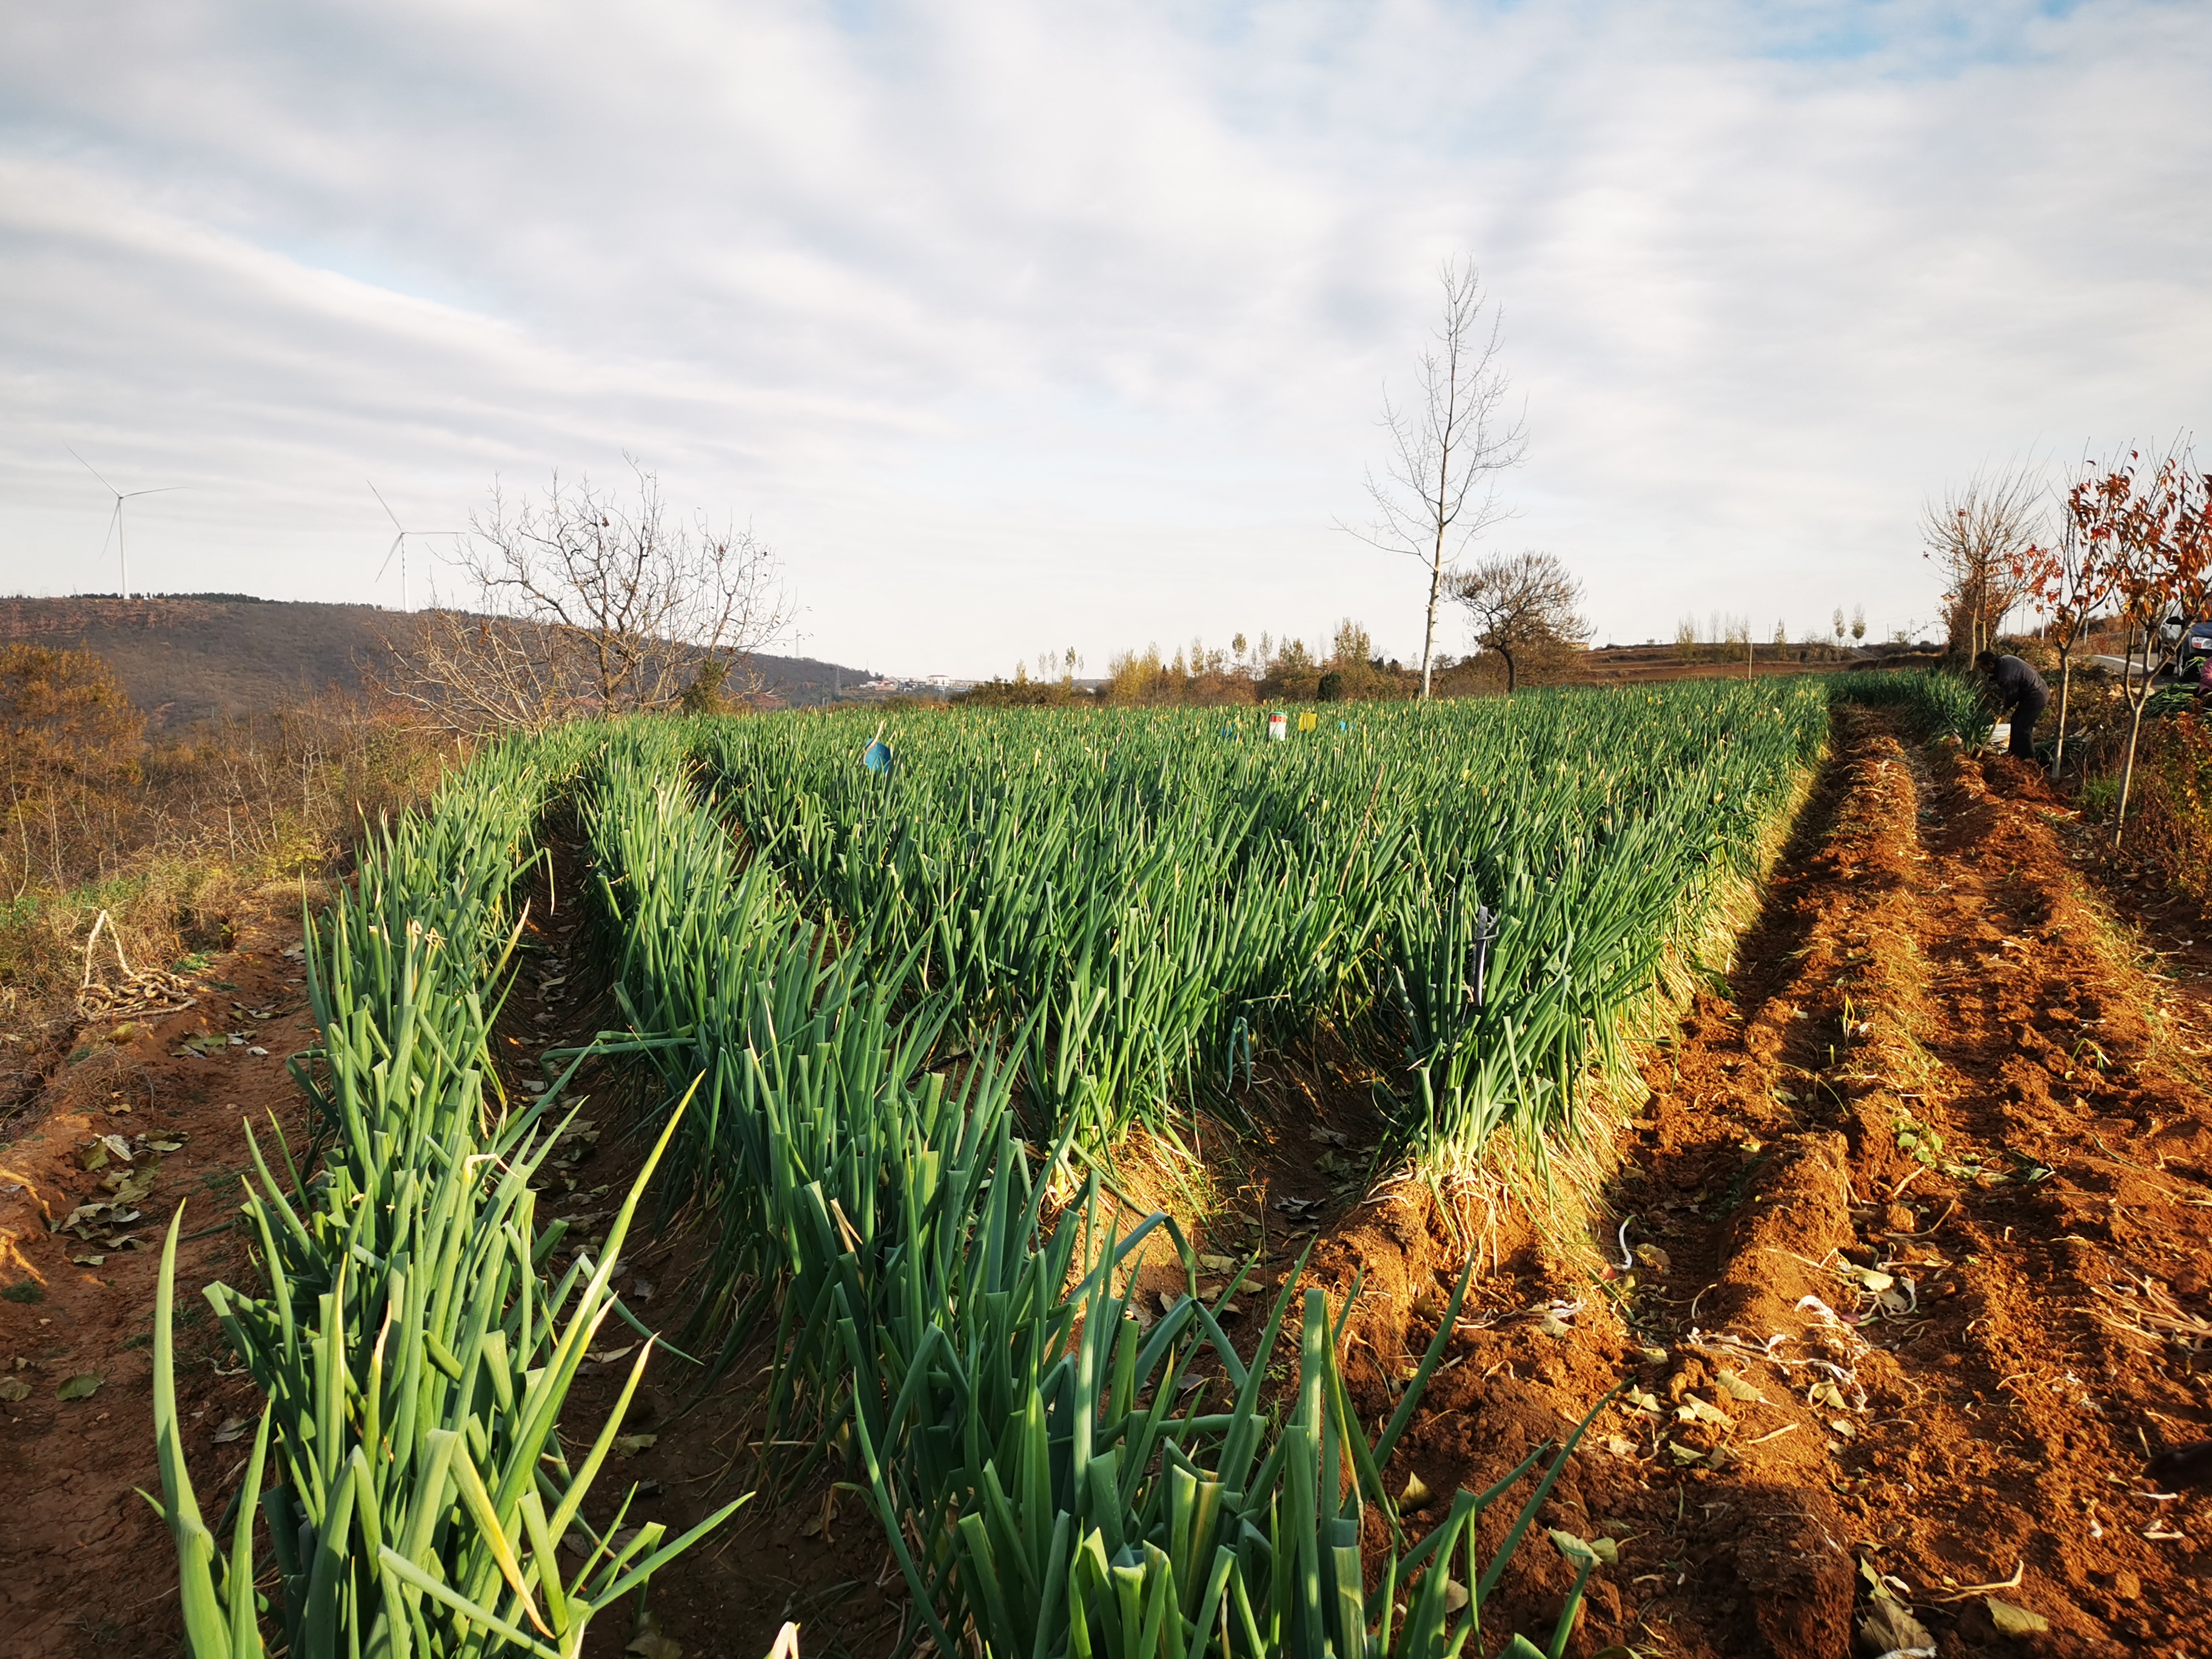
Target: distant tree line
(1522,643)
(203,598)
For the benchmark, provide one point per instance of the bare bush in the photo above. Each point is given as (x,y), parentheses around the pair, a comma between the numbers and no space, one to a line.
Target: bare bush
(582,603)
(168,834)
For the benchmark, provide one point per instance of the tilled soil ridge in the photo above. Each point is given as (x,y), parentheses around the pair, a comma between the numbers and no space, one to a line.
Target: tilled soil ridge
(1920,1222)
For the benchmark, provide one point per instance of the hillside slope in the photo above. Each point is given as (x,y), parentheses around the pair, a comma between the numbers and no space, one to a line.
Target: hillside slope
(188,659)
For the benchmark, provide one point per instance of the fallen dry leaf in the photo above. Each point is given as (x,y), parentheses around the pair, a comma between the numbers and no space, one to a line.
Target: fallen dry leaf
(1867,1278)
(2014,1621)
(1694,1410)
(1890,1628)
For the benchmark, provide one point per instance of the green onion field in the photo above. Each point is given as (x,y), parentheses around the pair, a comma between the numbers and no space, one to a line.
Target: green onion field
(885,1031)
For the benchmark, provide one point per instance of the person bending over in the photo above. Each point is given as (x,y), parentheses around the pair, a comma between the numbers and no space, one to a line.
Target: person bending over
(2020,693)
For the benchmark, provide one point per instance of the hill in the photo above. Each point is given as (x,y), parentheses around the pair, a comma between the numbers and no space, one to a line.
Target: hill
(198,657)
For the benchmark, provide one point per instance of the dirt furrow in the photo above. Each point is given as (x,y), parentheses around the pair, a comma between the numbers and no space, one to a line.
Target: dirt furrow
(1934,1194)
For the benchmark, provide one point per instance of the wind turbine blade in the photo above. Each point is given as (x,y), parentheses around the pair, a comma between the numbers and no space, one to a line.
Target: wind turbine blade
(389,556)
(134,495)
(113,515)
(386,505)
(89,467)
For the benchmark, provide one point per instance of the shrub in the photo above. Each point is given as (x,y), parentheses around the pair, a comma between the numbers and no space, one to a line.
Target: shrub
(2172,824)
(1020,692)
(2100,798)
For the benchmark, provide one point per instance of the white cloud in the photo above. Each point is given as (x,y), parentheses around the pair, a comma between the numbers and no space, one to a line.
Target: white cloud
(1017,327)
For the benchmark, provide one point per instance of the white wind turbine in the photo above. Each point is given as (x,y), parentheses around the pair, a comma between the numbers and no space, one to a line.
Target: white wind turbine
(115,519)
(399,542)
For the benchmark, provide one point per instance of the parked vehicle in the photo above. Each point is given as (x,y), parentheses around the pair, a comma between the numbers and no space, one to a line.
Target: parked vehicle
(2196,646)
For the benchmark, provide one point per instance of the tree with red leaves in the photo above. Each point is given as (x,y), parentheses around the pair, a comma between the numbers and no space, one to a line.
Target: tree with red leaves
(2066,583)
(2151,523)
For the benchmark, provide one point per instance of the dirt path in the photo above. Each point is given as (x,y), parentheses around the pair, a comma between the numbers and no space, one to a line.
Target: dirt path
(1926,1206)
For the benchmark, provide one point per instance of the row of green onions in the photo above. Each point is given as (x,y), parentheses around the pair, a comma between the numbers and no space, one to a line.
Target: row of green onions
(1148,890)
(407,1463)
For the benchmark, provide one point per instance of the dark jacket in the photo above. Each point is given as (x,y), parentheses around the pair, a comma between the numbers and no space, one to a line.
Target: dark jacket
(2015,683)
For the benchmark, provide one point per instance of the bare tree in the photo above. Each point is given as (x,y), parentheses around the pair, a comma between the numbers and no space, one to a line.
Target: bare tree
(1439,489)
(1976,537)
(585,603)
(1524,606)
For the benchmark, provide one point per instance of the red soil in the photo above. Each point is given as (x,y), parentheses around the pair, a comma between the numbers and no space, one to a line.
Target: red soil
(85,1567)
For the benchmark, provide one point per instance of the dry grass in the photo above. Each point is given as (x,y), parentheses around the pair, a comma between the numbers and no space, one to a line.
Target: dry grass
(170,839)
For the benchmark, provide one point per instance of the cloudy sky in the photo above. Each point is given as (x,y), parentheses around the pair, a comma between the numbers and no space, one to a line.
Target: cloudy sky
(1022,326)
